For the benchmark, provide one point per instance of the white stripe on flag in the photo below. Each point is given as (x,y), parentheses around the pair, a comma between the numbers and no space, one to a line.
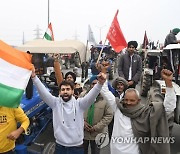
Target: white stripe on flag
(13,76)
(49,32)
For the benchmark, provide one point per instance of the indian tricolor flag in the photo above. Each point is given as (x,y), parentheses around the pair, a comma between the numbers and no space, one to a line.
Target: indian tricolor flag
(15,71)
(49,33)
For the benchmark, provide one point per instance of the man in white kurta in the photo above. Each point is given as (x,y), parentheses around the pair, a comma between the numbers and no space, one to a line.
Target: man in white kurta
(122,124)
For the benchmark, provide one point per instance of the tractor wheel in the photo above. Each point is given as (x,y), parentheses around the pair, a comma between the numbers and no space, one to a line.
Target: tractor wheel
(146,81)
(177,111)
(77,62)
(154,95)
(49,148)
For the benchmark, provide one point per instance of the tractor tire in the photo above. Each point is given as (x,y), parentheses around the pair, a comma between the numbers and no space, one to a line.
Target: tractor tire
(177,111)
(146,82)
(49,148)
(77,62)
(154,95)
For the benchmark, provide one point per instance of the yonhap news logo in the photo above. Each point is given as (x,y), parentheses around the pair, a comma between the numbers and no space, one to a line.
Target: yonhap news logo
(102,140)
(156,140)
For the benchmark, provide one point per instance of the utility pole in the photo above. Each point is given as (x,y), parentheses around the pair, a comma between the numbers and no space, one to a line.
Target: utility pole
(23,40)
(48,12)
(76,35)
(38,34)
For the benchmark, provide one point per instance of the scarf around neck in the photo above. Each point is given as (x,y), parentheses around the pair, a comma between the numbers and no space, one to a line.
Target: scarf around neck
(150,121)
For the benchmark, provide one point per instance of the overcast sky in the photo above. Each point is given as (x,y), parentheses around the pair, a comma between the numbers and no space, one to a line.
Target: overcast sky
(70,18)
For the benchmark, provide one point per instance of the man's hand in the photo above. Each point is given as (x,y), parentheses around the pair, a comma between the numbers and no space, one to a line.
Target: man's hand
(56,56)
(130,83)
(101,78)
(33,73)
(103,66)
(92,130)
(87,127)
(167,75)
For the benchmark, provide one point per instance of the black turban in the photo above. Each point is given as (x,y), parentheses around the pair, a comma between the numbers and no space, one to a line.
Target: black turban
(133,43)
(72,74)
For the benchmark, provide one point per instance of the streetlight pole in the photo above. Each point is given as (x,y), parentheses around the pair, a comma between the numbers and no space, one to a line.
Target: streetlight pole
(100,28)
(48,12)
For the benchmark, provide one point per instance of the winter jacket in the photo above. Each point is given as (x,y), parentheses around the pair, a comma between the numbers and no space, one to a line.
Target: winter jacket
(124,65)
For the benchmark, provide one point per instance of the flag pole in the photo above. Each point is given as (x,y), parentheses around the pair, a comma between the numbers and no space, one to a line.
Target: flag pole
(48,12)
(86,49)
(101,51)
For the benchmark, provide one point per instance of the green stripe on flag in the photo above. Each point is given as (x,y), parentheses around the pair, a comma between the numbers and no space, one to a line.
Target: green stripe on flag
(9,96)
(47,36)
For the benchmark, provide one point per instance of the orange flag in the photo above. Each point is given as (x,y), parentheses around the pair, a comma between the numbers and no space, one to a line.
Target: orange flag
(115,35)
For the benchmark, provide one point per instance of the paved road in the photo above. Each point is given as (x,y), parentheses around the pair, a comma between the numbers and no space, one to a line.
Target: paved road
(47,136)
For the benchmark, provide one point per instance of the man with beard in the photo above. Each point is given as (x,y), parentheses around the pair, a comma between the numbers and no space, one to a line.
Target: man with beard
(69,76)
(68,119)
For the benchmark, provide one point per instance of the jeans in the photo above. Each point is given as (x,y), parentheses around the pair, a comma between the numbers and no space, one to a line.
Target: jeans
(94,148)
(59,149)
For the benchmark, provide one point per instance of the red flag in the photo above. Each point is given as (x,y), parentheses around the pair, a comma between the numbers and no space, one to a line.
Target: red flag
(115,35)
(145,41)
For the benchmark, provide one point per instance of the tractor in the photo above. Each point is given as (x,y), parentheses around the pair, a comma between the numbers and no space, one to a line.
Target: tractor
(154,61)
(152,85)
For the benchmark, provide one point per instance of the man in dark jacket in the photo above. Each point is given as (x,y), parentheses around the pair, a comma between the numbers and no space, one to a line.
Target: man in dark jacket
(171,37)
(130,65)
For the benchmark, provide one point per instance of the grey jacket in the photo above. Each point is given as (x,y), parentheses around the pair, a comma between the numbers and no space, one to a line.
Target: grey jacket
(170,39)
(124,64)
(68,117)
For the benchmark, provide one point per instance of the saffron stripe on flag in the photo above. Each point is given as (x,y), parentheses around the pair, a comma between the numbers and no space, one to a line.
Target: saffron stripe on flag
(7,95)
(13,76)
(15,56)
